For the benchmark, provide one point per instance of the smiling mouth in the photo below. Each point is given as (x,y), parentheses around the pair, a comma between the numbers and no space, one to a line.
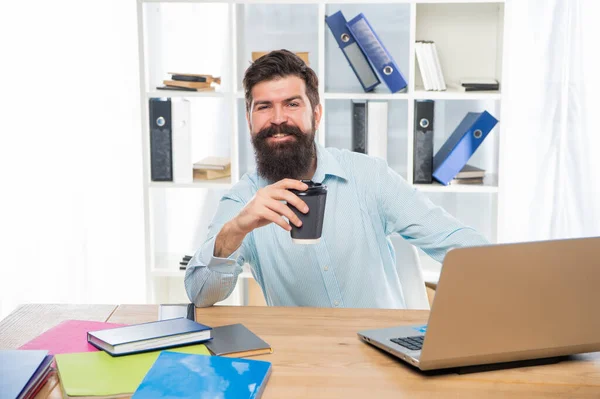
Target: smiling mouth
(280,135)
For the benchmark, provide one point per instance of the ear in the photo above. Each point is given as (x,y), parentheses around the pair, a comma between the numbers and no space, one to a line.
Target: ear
(318,112)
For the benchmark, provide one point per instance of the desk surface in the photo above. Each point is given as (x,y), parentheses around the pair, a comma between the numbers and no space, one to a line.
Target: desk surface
(317,354)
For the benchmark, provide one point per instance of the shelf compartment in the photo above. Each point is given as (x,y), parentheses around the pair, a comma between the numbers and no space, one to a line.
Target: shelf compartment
(469,42)
(391,22)
(267,27)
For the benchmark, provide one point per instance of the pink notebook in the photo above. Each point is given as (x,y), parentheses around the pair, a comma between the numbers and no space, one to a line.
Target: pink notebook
(70,336)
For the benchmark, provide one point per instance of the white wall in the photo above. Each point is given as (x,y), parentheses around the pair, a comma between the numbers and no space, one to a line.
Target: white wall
(70,162)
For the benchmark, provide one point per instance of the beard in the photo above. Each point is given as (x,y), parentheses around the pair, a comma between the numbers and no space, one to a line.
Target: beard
(288,159)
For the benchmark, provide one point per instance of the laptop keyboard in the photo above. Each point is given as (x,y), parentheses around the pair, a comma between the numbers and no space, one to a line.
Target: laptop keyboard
(413,343)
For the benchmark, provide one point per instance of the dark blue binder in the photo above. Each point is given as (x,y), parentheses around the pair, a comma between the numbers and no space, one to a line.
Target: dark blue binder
(353,53)
(461,145)
(376,52)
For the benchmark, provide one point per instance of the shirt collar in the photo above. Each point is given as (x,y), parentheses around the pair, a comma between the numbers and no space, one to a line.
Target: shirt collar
(327,164)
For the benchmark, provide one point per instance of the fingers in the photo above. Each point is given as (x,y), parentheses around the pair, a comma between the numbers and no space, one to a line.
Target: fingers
(274,217)
(284,210)
(290,198)
(287,184)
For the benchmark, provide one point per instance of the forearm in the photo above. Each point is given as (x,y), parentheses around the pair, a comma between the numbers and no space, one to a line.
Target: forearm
(228,240)
(210,278)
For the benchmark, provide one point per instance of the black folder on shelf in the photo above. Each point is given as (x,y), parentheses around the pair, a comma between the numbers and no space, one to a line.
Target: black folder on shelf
(423,142)
(161,151)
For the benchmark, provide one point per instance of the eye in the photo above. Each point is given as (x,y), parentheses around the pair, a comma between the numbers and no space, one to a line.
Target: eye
(294,104)
(261,107)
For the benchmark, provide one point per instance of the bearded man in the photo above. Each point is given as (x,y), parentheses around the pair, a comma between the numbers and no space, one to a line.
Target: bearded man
(353,264)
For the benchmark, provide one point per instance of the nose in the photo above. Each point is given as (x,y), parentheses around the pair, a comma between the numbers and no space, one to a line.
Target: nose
(279,117)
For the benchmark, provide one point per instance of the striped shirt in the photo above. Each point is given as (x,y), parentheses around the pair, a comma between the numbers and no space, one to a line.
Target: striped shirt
(354,263)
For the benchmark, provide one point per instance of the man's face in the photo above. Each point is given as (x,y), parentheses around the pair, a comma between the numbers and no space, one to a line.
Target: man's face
(282,125)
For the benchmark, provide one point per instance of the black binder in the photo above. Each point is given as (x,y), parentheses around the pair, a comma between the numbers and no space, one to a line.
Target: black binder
(161,152)
(423,142)
(359,126)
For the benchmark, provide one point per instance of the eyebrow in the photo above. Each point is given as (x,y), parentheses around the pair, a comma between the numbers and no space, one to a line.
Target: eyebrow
(287,100)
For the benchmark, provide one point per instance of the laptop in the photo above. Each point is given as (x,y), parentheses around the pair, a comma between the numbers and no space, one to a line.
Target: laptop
(505,303)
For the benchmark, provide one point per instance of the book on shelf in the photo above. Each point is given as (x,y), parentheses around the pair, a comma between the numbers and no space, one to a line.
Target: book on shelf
(302,54)
(149,336)
(470,172)
(189,85)
(207,78)
(176,88)
(212,168)
(190,82)
(477,84)
(468,180)
(430,66)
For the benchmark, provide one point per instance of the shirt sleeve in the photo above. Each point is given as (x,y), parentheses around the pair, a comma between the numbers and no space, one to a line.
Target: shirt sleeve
(410,213)
(209,279)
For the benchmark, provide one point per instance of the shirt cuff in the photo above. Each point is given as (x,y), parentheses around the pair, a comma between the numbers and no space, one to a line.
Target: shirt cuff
(223,265)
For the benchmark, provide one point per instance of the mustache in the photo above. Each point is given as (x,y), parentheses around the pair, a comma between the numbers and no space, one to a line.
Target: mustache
(277,129)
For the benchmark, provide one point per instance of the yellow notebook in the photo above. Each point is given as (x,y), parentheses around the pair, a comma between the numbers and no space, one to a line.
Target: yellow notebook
(97,374)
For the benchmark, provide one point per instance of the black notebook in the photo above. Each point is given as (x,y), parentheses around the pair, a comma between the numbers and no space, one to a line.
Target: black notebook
(236,340)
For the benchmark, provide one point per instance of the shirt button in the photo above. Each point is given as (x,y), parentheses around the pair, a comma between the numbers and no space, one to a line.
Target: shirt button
(326,268)
(336,303)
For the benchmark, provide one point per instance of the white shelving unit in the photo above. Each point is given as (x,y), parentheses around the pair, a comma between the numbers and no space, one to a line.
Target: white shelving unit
(217,37)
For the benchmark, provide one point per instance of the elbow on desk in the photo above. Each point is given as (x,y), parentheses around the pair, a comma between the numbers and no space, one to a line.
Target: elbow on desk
(205,288)
(193,288)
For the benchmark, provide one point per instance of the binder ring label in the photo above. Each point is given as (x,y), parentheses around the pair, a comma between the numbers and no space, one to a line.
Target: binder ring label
(424,123)
(388,70)
(477,134)
(345,37)
(160,121)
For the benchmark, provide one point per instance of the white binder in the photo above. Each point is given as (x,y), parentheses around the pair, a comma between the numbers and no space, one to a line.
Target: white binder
(377,128)
(182,142)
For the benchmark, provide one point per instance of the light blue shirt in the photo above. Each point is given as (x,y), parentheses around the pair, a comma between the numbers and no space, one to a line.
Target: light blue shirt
(354,264)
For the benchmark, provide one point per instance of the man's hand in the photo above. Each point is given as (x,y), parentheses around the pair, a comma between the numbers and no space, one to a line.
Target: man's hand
(265,208)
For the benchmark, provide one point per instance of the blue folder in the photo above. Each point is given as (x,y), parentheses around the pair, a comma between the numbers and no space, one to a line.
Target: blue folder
(180,375)
(461,145)
(20,371)
(353,53)
(376,52)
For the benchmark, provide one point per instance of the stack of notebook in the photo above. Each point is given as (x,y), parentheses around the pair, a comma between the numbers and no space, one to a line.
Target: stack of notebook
(469,174)
(190,82)
(133,359)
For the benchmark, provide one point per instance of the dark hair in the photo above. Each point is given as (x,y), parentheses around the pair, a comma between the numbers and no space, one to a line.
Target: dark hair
(279,64)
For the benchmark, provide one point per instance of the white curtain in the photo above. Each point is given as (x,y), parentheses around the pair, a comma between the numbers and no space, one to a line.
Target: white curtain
(71,216)
(551,115)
